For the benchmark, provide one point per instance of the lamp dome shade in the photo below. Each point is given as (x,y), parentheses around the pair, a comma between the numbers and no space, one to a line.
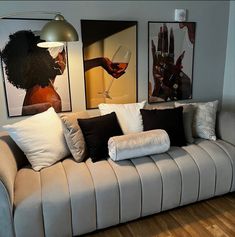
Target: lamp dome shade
(58,30)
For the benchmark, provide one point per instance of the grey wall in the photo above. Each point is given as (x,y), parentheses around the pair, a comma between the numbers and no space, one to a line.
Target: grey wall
(229,75)
(210,46)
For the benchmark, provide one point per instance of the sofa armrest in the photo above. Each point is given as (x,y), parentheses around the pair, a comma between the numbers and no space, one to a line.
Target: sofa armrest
(226,126)
(11,159)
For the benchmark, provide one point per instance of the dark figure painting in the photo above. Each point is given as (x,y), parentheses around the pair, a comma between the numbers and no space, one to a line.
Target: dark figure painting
(33,70)
(170,61)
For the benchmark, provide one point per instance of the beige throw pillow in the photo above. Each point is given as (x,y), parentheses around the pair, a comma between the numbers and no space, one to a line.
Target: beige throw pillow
(73,134)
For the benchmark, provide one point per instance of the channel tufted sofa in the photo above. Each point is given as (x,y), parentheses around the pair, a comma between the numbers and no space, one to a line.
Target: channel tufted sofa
(70,199)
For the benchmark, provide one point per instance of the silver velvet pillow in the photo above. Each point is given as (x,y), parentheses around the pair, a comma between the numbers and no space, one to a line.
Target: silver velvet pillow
(138,144)
(73,134)
(204,119)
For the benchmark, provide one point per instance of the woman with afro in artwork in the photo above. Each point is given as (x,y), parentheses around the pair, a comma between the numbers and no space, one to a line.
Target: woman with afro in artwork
(34,69)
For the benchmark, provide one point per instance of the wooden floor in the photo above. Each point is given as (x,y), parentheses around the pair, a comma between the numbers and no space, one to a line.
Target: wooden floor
(214,217)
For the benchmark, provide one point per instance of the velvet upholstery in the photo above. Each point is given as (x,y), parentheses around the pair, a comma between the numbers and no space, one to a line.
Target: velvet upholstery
(226,126)
(107,193)
(11,158)
(70,198)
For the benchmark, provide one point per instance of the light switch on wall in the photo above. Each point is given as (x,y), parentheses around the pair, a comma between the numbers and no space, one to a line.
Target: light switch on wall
(180,14)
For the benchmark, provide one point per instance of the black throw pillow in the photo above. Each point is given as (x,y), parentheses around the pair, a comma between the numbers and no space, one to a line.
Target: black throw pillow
(170,120)
(97,131)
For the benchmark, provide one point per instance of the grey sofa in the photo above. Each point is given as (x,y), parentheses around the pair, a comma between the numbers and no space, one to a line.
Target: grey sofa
(70,199)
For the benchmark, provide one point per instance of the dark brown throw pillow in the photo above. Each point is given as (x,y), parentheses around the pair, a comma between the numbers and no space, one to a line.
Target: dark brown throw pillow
(97,131)
(170,120)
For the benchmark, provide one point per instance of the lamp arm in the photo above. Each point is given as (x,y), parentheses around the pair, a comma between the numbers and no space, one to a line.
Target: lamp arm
(29,12)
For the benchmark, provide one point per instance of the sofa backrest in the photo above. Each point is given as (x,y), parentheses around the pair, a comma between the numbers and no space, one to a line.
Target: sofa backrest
(8,145)
(225,130)
(225,126)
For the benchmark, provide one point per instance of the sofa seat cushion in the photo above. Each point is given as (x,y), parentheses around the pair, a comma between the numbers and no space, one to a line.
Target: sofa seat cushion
(71,198)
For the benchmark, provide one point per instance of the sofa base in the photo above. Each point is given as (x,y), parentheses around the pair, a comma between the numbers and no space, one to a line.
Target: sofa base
(70,199)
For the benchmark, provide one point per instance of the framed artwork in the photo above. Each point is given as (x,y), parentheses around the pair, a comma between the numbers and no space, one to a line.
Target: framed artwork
(170,60)
(34,78)
(109,59)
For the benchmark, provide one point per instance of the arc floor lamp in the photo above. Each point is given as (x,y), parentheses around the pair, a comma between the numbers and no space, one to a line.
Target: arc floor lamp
(55,32)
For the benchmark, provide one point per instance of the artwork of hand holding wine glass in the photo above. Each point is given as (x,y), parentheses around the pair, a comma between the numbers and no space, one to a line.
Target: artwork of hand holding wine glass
(118,65)
(109,62)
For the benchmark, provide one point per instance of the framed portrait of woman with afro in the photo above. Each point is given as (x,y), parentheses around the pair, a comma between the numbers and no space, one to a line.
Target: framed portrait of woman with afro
(34,78)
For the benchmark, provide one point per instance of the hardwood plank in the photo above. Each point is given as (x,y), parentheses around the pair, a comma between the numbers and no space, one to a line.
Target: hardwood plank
(216,231)
(144,227)
(225,216)
(223,208)
(189,223)
(124,230)
(204,215)
(214,217)
(168,224)
(110,232)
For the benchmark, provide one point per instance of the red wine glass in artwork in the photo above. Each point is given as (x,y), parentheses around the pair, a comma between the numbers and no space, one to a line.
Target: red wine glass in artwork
(120,61)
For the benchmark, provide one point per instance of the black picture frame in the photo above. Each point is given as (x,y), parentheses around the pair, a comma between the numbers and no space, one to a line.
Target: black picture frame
(170,71)
(109,35)
(15,96)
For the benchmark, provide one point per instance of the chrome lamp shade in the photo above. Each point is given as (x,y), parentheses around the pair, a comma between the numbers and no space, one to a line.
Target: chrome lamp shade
(56,32)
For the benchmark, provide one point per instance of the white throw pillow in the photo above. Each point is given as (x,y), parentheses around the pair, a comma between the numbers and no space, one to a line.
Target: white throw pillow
(41,138)
(128,115)
(139,144)
(204,119)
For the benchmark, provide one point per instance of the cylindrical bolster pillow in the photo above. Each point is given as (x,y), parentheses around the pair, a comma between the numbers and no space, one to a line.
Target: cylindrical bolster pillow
(138,144)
